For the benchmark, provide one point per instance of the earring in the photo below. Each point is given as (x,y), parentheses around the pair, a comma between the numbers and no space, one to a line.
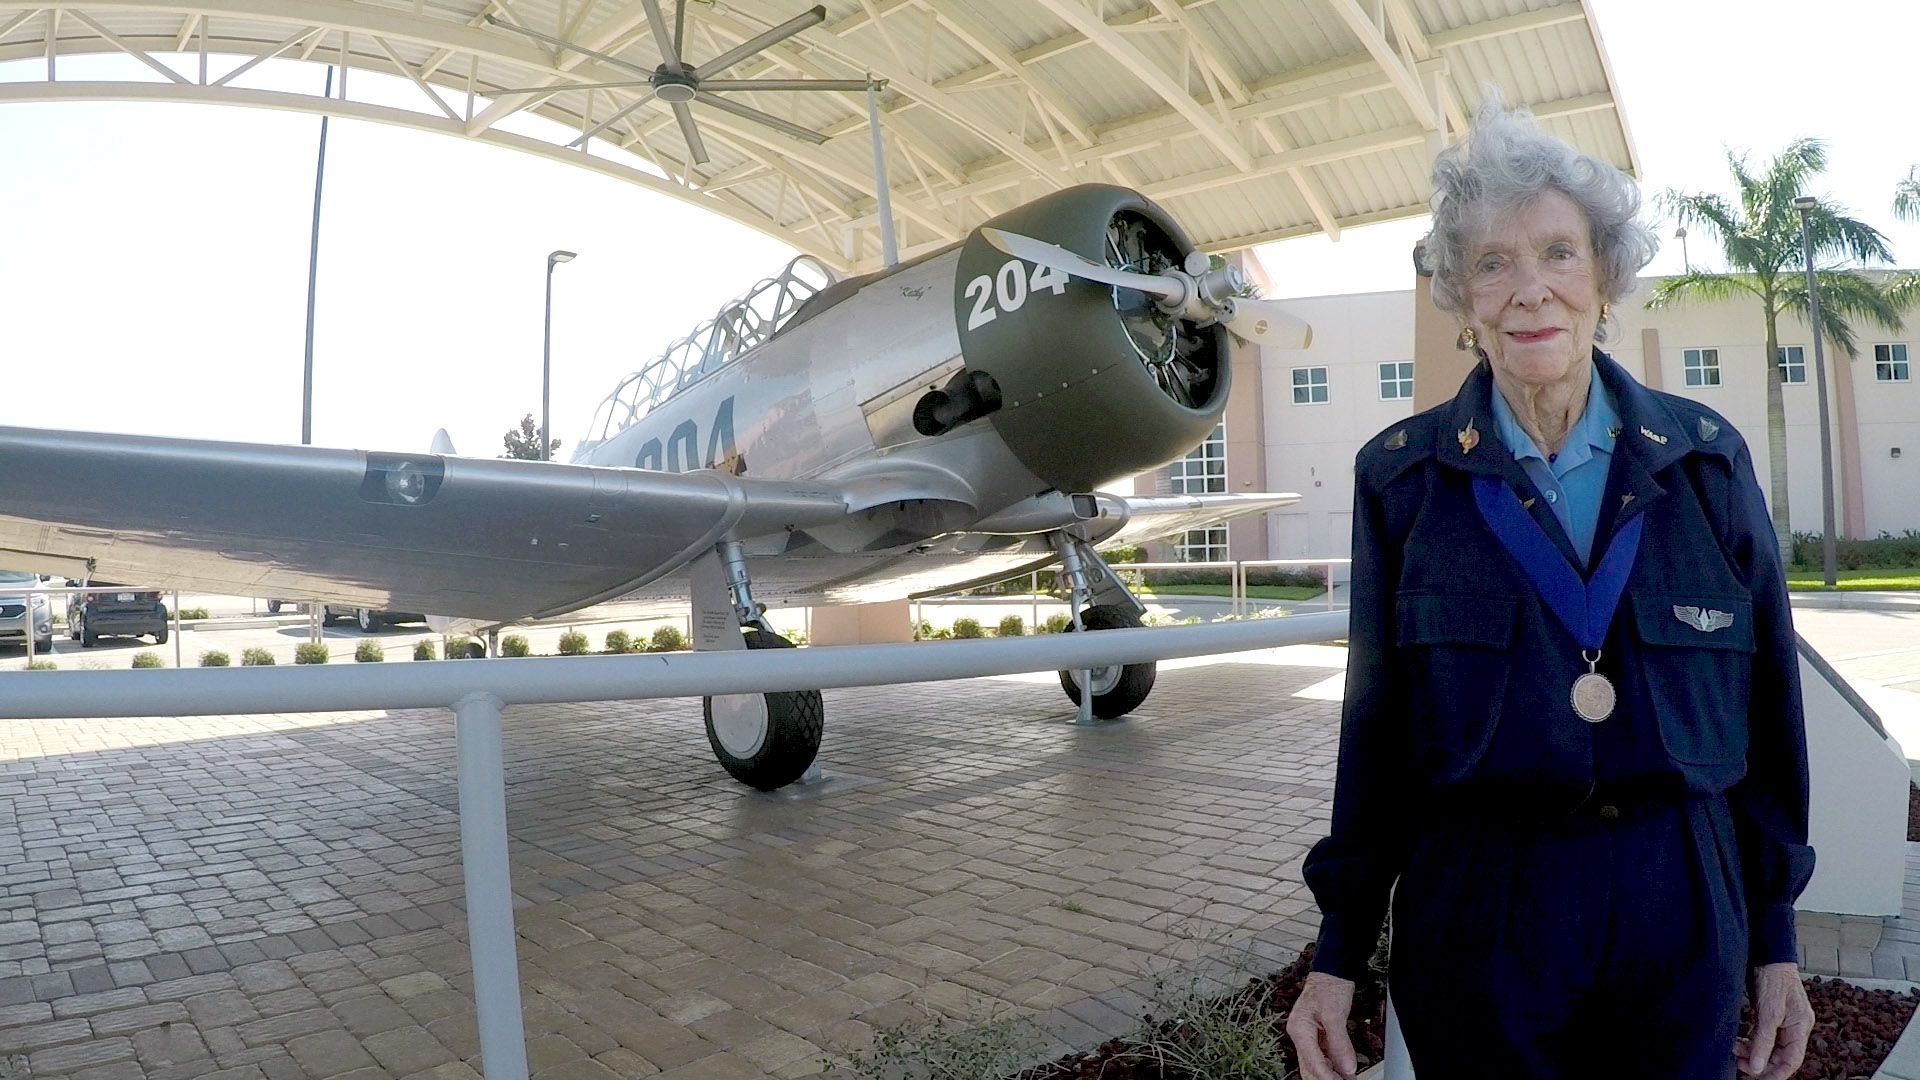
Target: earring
(1467,341)
(1606,309)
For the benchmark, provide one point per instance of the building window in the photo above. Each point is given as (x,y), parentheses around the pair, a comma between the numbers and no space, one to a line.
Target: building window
(1703,367)
(1202,472)
(1889,363)
(1396,380)
(1793,364)
(1309,386)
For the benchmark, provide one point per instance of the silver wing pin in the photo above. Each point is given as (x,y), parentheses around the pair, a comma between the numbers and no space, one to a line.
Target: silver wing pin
(1705,620)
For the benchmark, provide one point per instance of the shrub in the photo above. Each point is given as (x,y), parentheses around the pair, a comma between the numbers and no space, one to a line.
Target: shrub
(214,658)
(942,1050)
(311,652)
(43,665)
(369,652)
(423,650)
(1124,554)
(573,643)
(619,641)
(798,639)
(1056,623)
(967,628)
(1011,626)
(188,613)
(667,639)
(147,660)
(1885,551)
(256,658)
(512,645)
(456,647)
(923,631)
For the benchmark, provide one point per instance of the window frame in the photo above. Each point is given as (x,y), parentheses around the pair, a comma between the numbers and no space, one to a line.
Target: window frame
(1403,385)
(1780,361)
(1687,371)
(1898,370)
(1325,385)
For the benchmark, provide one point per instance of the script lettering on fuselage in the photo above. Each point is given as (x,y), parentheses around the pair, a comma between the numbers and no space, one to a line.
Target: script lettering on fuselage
(680,453)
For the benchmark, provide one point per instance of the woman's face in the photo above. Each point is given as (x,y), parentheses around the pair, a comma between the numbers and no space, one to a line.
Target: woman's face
(1531,291)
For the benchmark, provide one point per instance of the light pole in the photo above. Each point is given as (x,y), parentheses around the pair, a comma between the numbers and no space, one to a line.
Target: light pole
(1805,204)
(546,354)
(1680,234)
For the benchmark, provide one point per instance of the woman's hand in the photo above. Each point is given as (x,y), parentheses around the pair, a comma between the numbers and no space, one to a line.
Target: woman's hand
(1782,1020)
(1318,1028)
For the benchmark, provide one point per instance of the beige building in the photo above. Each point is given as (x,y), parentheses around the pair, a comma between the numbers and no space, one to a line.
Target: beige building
(1297,418)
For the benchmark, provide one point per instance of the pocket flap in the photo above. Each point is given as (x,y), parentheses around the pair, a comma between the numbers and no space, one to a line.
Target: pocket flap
(1446,619)
(1692,621)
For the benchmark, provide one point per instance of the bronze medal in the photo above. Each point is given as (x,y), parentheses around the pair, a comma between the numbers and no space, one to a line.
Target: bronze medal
(1593,696)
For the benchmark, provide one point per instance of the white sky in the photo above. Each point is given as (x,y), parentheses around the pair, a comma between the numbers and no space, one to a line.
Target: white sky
(153,258)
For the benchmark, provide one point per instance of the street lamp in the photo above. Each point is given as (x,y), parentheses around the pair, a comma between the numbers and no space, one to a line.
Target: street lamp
(546,354)
(1680,234)
(1805,204)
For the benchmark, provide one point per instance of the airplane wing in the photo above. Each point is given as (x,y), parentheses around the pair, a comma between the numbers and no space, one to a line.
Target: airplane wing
(475,538)
(1150,517)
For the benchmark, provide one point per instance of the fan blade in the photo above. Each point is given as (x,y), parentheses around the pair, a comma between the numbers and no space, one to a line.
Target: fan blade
(698,149)
(1045,254)
(645,73)
(679,28)
(853,85)
(746,113)
(610,121)
(658,24)
(775,36)
(1267,323)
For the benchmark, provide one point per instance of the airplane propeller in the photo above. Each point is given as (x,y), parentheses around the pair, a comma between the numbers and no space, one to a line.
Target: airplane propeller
(1195,292)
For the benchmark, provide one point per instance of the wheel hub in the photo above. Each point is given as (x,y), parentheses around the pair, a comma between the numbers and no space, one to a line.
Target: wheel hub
(740,723)
(1104,680)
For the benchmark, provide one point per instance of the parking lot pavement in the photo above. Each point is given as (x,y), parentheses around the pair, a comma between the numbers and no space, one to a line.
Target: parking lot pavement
(279,896)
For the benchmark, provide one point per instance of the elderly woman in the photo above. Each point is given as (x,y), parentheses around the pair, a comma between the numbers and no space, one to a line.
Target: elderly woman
(1572,752)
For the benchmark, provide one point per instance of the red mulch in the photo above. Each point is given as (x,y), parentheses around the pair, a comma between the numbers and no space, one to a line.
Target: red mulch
(1913,812)
(1854,1030)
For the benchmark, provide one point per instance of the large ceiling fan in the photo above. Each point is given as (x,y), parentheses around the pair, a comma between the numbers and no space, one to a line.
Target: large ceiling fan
(677,83)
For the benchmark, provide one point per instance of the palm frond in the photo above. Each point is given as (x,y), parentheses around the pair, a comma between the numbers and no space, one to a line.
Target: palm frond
(1845,297)
(1906,196)
(1699,285)
(1902,289)
(1836,235)
(1718,218)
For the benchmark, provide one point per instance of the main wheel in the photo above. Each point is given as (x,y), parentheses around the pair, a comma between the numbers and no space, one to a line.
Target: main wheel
(765,741)
(1117,690)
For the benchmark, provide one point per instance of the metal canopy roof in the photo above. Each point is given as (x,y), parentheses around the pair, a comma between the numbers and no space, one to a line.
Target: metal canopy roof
(1251,120)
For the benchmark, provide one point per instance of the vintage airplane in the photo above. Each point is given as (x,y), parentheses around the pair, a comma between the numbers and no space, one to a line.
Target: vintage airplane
(937,425)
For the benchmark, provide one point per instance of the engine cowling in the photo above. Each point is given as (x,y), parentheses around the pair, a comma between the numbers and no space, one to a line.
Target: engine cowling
(1095,382)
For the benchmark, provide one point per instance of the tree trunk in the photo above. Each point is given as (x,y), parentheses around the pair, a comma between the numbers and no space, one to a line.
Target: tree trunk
(1777,439)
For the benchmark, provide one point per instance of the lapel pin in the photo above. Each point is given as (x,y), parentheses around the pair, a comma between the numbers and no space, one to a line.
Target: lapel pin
(1661,439)
(1526,504)
(1613,432)
(1625,499)
(1469,438)
(1397,440)
(1709,430)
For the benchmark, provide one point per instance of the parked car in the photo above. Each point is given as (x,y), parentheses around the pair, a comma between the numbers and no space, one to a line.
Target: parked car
(25,611)
(367,620)
(128,613)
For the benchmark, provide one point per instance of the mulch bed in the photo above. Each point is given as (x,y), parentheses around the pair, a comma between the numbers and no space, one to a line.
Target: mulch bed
(1913,813)
(1854,1031)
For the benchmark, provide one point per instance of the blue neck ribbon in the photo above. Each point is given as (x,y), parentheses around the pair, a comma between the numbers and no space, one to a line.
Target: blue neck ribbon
(1585,608)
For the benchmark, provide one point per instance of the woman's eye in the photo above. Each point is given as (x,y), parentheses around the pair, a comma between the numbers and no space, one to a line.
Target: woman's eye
(1560,252)
(1491,264)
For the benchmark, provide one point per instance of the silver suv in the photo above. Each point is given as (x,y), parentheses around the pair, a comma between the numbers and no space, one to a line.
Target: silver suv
(24,609)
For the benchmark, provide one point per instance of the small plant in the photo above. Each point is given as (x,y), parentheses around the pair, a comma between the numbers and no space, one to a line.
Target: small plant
(619,641)
(369,652)
(311,652)
(1011,626)
(511,645)
(798,639)
(215,658)
(424,650)
(190,613)
(573,643)
(1056,623)
(967,628)
(1068,905)
(43,665)
(943,1050)
(256,658)
(147,660)
(667,639)
(945,633)
(456,647)
(923,632)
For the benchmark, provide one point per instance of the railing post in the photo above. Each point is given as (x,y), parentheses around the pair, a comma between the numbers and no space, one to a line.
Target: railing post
(483,857)
(176,628)
(1033,594)
(1329,586)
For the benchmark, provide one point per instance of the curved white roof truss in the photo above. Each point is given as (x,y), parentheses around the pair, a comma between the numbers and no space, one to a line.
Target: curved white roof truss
(1251,120)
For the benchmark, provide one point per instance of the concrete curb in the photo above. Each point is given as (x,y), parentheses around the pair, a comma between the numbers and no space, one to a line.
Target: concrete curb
(1856,601)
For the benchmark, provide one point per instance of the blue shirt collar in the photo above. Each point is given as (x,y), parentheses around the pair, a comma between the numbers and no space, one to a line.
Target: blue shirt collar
(1594,432)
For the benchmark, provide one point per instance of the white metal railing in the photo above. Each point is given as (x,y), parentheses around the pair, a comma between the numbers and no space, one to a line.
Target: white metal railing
(478,691)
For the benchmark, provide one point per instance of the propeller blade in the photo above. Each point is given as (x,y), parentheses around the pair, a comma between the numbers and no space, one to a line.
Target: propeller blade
(698,149)
(1264,322)
(1059,258)
(612,120)
(845,85)
(746,113)
(813,17)
(658,24)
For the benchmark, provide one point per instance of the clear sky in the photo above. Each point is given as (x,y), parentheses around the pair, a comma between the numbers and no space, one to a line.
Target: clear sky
(153,258)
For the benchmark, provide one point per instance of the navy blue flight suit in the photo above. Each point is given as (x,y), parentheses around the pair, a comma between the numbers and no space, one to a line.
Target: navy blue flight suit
(1569,899)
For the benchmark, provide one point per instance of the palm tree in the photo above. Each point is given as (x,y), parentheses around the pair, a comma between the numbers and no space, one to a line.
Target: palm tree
(1903,288)
(1759,237)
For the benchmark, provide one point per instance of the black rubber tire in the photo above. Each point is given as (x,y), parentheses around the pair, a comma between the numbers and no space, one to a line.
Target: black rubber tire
(795,721)
(88,639)
(1136,680)
(160,638)
(368,621)
(273,607)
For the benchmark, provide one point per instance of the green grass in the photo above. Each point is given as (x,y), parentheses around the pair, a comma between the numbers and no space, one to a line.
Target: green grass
(1846,580)
(1257,592)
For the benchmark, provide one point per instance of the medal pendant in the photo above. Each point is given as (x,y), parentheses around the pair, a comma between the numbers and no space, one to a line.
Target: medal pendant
(1593,696)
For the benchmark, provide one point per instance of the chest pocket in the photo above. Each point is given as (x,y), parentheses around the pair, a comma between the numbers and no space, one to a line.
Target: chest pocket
(1458,650)
(1696,656)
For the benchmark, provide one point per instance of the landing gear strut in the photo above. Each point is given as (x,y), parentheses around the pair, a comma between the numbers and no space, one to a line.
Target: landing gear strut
(765,741)
(1100,601)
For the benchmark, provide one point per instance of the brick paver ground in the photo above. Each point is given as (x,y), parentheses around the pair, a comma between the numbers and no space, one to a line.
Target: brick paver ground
(279,896)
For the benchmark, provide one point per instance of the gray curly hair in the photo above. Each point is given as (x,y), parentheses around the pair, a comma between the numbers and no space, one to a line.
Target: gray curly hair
(1507,160)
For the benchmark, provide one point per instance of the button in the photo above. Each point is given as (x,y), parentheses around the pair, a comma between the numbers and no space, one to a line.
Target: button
(1610,813)
(1553,496)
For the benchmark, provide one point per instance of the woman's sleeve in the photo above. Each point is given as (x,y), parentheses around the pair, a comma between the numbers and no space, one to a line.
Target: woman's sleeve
(1770,804)
(1352,870)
